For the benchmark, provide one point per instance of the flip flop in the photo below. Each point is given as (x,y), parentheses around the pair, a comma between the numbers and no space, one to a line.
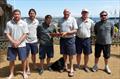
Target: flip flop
(70,74)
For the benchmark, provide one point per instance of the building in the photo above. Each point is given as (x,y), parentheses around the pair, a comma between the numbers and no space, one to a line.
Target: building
(5,15)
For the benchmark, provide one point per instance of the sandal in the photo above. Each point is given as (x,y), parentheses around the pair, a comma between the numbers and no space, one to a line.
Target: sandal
(28,73)
(66,70)
(70,74)
(25,76)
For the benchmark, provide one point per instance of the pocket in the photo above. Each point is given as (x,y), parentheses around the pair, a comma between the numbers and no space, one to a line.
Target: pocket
(107,28)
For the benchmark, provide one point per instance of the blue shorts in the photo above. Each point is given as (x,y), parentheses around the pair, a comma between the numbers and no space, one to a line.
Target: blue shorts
(46,50)
(13,52)
(33,47)
(83,44)
(105,48)
(67,46)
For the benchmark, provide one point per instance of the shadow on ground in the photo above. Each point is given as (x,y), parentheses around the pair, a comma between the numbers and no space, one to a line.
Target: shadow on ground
(4,71)
(115,55)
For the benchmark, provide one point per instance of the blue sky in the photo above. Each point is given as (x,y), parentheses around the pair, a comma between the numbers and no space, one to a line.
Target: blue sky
(56,7)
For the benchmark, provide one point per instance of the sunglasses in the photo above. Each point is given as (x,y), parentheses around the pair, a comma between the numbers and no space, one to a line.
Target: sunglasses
(103,15)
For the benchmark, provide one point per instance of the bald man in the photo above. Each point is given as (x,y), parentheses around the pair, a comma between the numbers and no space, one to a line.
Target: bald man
(68,28)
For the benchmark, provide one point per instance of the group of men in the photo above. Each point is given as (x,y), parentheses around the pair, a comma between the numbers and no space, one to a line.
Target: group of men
(75,38)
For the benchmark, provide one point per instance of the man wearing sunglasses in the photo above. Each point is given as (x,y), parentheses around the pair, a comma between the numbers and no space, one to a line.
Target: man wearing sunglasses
(104,32)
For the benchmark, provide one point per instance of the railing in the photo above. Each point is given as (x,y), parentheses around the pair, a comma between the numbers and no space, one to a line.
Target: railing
(3,43)
(116,41)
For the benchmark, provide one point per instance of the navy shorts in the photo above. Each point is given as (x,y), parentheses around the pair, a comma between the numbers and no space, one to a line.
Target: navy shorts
(67,46)
(33,47)
(13,52)
(105,48)
(46,51)
(83,44)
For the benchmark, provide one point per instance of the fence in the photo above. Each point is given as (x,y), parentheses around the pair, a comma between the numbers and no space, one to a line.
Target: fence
(115,41)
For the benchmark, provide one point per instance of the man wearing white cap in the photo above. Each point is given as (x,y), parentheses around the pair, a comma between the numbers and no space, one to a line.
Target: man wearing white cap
(83,41)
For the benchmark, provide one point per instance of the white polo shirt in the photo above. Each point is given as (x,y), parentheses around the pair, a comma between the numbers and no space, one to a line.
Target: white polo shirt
(85,28)
(68,25)
(16,30)
(32,26)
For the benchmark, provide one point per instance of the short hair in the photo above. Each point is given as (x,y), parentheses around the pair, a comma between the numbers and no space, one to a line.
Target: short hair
(103,12)
(32,10)
(48,16)
(16,10)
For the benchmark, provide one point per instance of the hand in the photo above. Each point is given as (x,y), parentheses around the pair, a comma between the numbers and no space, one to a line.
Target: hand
(64,34)
(16,43)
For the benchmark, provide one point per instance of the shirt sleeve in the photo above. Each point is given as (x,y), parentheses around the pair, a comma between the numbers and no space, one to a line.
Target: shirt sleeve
(39,29)
(25,29)
(112,29)
(92,25)
(37,23)
(75,24)
(95,30)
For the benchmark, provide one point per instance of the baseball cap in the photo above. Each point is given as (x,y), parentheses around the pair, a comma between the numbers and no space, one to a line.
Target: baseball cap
(85,10)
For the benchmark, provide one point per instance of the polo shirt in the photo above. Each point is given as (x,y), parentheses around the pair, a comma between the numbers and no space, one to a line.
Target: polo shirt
(67,25)
(16,30)
(32,26)
(43,34)
(85,28)
(104,31)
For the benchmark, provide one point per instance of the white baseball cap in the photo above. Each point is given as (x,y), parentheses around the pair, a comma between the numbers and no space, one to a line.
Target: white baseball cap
(85,10)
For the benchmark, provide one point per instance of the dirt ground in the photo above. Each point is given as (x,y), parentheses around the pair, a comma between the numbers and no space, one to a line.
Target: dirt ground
(114,64)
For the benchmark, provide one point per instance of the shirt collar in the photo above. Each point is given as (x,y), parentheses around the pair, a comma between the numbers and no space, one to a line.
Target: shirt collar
(68,18)
(15,22)
(87,20)
(32,21)
(46,25)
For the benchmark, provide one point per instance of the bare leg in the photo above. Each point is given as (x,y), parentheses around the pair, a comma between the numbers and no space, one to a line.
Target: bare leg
(71,73)
(34,60)
(96,61)
(71,63)
(27,64)
(24,69)
(65,60)
(86,58)
(78,59)
(12,66)
(41,63)
(48,61)
(106,61)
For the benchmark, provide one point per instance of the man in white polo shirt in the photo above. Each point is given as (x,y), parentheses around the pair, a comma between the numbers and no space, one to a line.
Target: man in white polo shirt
(68,28)
(32,45)
(16,32)
(83,41)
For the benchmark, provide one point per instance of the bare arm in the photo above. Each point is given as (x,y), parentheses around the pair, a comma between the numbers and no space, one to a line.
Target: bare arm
(23,37)
(16,43)
(69,33)
(10,38)
(19,41)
